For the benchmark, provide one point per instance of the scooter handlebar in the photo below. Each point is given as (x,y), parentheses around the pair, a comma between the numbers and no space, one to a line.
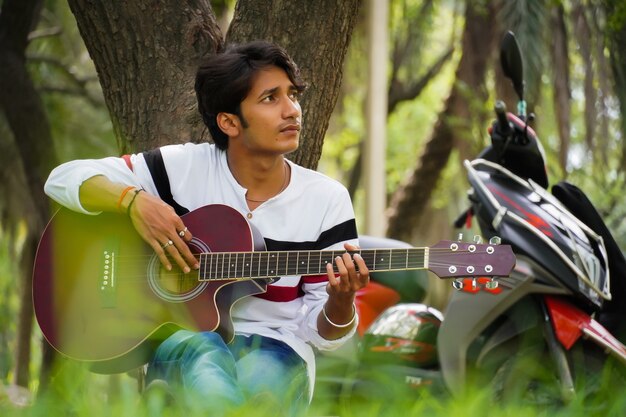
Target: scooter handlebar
(503,126)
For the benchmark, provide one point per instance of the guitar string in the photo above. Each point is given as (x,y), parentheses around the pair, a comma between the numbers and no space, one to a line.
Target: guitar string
(192,280)
(398,257)
(255,256)
(396,254)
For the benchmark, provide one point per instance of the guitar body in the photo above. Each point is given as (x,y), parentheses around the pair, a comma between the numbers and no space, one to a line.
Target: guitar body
(101,296)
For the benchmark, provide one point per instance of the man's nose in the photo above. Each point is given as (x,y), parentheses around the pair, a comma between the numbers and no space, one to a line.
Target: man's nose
(291,108)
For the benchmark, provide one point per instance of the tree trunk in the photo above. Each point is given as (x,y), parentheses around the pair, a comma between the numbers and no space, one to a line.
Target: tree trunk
(453,127)
(560,74)
(316,34)
(604,91)
(582,32)
(616,35)
(146,53)
(26,116)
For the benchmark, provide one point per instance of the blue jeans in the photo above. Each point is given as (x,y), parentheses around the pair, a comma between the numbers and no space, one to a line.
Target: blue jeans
(224,377)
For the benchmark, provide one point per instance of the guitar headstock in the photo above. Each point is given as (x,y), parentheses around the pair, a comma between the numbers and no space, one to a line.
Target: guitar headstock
(450,259)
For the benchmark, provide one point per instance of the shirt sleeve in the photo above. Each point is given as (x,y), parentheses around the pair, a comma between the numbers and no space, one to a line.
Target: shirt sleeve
(315,295)
(310,329)
(63,184)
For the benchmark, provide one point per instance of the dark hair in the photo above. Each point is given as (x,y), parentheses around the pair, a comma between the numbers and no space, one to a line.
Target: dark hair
(224,80)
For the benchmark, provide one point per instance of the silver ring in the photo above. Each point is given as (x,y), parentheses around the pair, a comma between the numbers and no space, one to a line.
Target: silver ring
(182,232)
(166,244)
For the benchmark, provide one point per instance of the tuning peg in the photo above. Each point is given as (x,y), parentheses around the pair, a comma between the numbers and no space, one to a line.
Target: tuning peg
(495,240)
(457,284)
(478,239)
(492,284)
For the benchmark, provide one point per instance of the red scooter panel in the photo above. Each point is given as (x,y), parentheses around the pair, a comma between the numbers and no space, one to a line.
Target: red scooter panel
(570,323)
(371,301)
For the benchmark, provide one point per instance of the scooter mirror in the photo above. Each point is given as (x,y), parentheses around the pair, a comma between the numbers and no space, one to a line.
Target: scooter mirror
(512,63)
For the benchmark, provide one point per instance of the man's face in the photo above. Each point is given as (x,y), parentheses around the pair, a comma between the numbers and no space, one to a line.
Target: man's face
(271,114)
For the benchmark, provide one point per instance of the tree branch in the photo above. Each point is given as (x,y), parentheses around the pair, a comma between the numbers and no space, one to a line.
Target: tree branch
(80,82)
(77,92)
(400,92)
(44,33)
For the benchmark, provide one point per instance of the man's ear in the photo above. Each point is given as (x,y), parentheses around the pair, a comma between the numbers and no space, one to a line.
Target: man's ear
(228,123)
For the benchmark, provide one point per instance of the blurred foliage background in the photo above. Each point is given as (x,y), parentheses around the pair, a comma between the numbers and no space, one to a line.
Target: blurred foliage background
(575,83)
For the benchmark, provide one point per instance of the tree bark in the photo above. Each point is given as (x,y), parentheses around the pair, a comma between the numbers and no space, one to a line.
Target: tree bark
(604,91)
(316,34)
(146,53)
(582,32)
(453,126)
(616,35)
(562,94)
(34,150)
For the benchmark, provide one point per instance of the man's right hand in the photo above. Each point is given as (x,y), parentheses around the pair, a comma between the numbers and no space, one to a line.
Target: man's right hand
(159,225)
(155,221)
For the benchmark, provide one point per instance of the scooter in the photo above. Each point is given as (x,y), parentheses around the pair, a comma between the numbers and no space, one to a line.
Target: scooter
(539,334)
(545,334)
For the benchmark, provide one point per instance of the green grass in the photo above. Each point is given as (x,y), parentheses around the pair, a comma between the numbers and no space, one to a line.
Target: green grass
(75,392)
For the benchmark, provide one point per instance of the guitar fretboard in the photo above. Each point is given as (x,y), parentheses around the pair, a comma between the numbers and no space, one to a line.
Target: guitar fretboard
(252,265)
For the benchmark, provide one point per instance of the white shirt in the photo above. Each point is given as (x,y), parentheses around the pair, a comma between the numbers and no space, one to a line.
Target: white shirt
(313,212)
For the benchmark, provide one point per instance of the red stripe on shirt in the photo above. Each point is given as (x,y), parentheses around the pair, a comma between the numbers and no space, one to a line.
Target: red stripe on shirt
(126,159)
(315,279)
(282,294)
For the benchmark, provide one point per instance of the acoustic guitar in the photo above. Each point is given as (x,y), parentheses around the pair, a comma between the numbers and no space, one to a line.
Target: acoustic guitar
(101,295)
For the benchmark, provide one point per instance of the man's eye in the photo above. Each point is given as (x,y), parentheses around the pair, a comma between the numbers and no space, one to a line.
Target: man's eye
(268,98)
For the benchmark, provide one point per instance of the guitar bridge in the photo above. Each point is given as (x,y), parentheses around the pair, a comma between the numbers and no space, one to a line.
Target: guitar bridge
(107,279)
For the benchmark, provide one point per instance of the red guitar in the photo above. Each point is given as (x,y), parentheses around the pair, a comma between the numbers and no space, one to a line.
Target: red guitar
(101,296)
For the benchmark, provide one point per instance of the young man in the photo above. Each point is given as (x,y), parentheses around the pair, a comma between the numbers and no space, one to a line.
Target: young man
(248,98)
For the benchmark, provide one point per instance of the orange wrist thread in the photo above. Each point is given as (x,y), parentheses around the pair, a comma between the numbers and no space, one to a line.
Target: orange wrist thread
(126,190)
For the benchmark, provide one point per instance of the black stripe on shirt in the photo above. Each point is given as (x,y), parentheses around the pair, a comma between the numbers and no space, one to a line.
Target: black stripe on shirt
(339,233)
(154,160)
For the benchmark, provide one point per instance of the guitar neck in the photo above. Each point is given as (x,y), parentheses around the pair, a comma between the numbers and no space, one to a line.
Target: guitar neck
(252,265)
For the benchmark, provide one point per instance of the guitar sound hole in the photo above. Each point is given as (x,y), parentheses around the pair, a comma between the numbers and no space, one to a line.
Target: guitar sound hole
(175,285)
(175,282)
